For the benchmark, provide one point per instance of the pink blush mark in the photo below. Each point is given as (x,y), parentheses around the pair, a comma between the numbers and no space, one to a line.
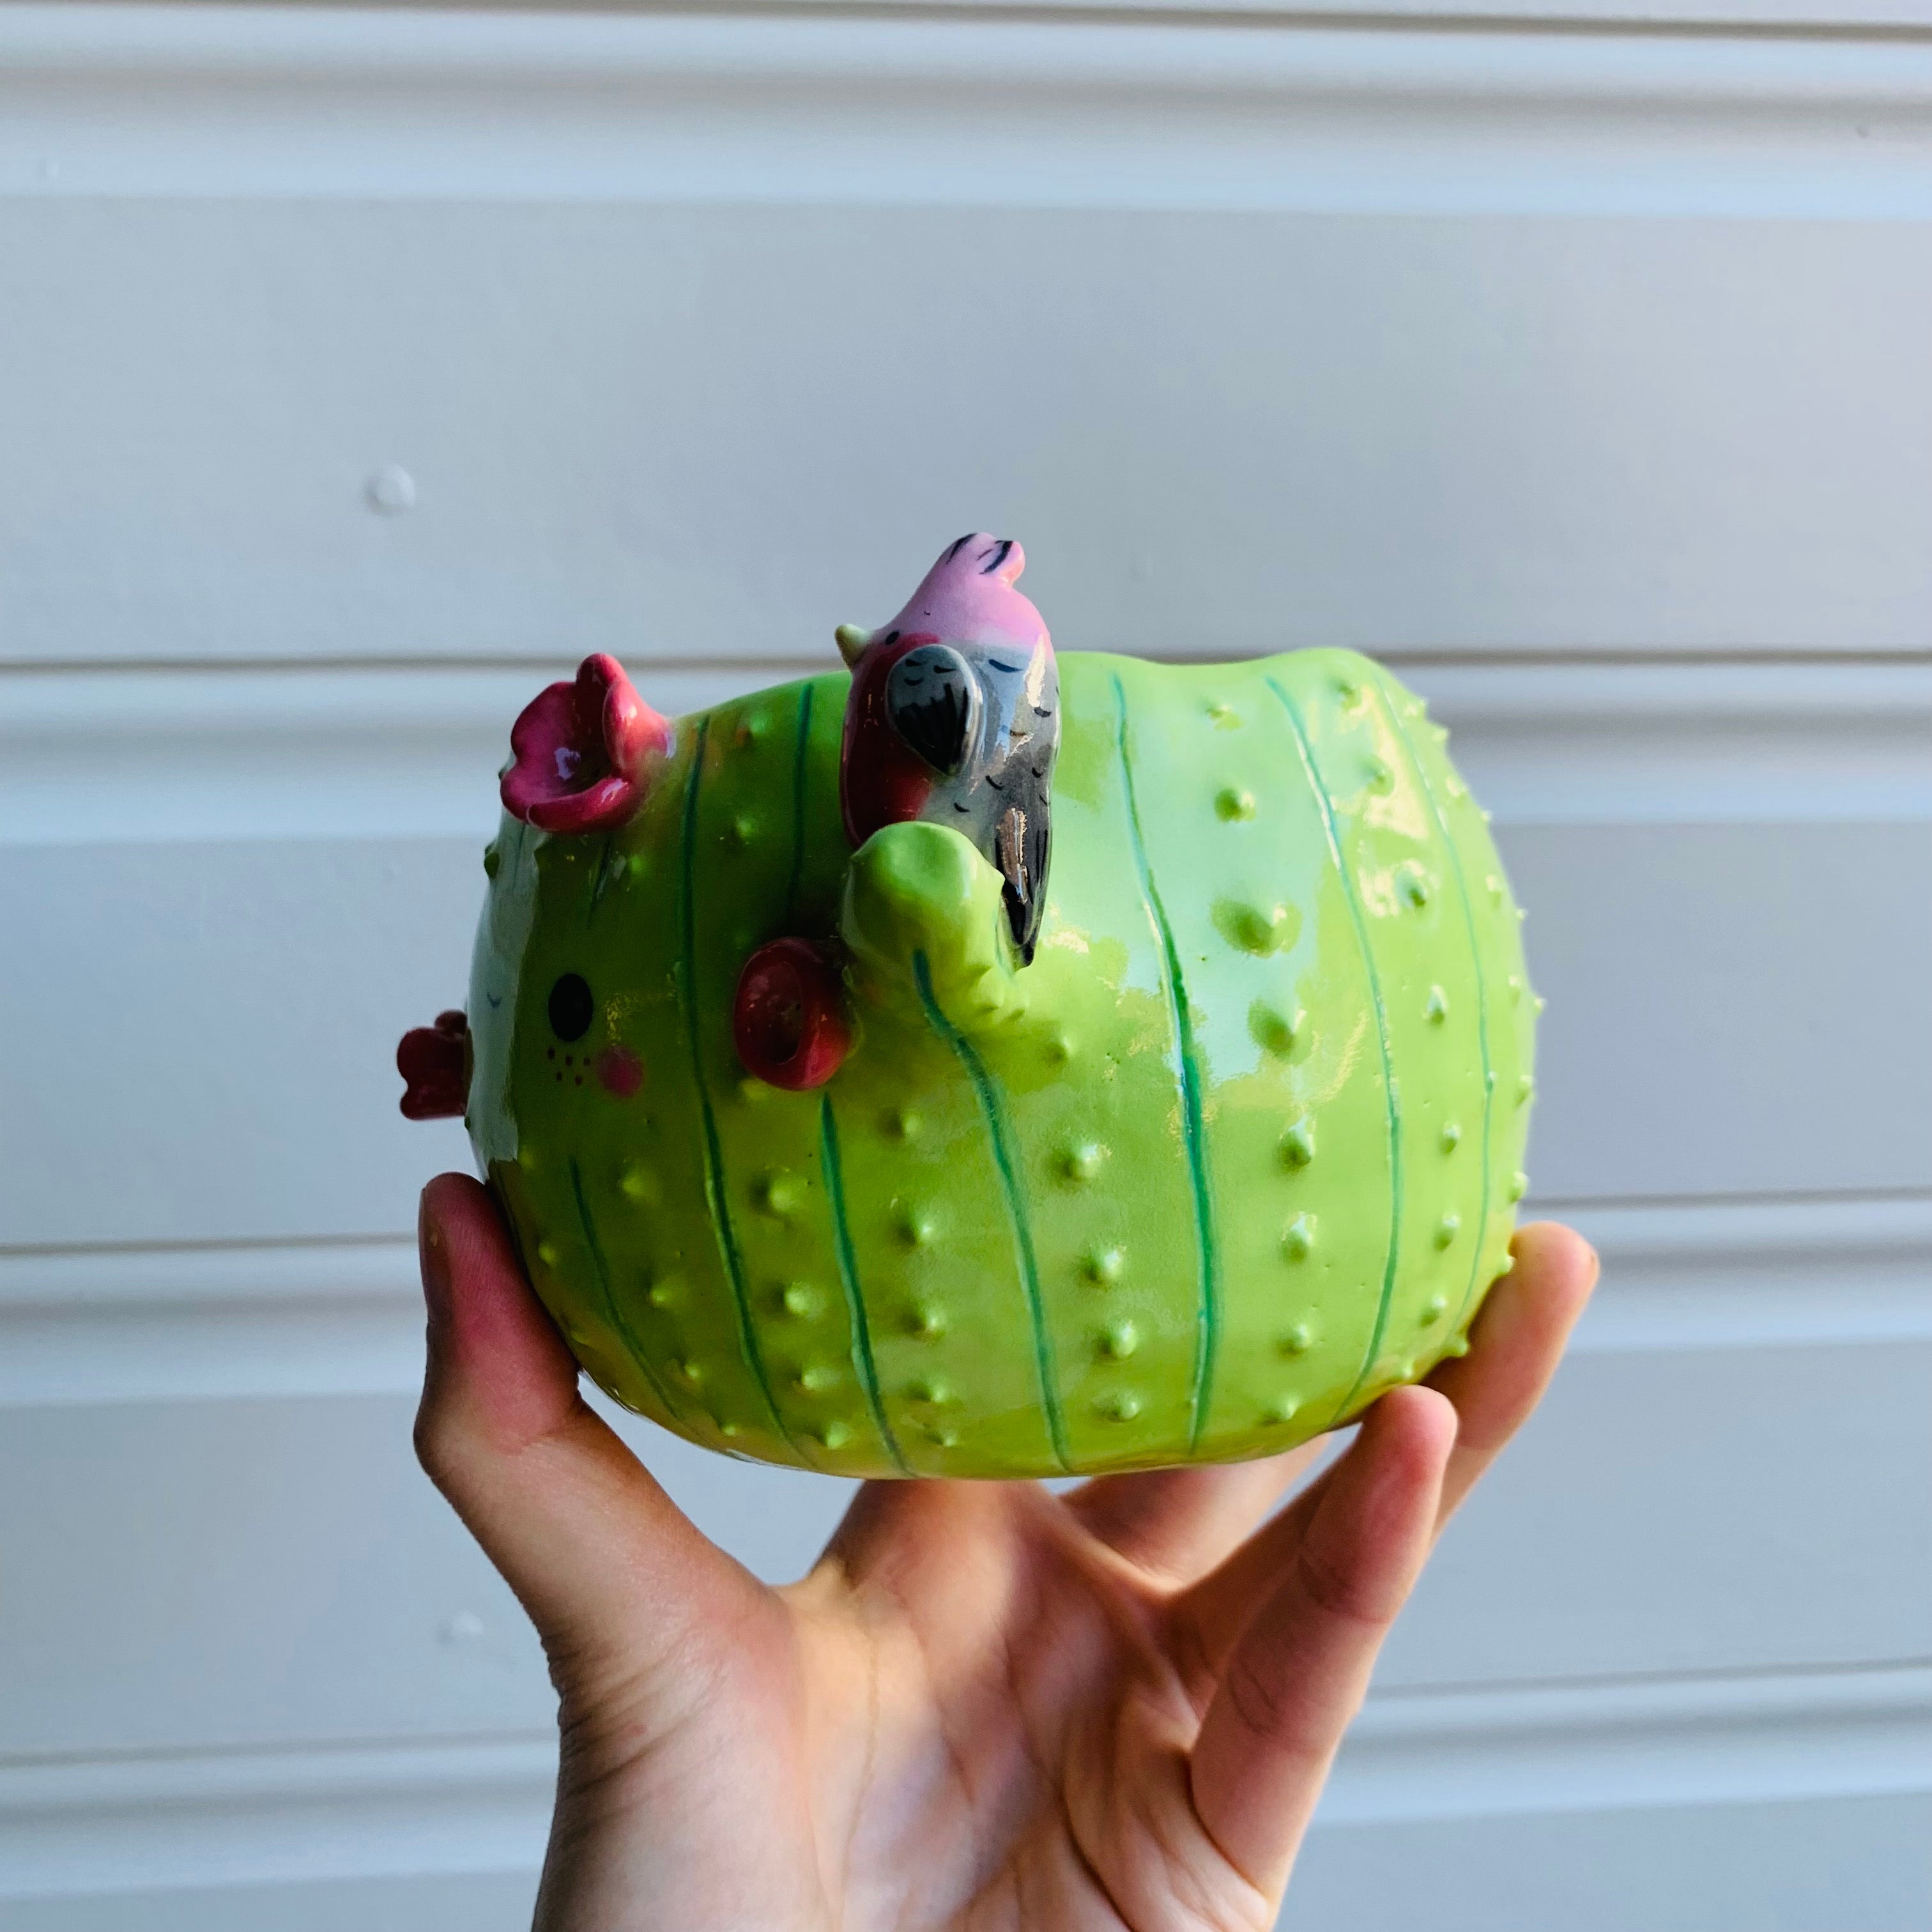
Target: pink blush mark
(619,1071)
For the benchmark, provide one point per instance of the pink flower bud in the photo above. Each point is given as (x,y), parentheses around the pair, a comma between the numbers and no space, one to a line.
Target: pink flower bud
(583,752)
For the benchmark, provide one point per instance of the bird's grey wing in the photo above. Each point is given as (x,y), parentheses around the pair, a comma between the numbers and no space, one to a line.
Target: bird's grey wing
(933,706)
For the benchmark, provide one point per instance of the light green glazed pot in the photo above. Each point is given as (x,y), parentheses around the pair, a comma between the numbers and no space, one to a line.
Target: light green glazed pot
(1239,1151)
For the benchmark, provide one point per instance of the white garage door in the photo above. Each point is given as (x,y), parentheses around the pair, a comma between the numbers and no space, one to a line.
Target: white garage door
(359,369)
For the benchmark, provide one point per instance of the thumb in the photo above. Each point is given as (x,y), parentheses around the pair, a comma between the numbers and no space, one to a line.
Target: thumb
(614,1575)
(1300,1670)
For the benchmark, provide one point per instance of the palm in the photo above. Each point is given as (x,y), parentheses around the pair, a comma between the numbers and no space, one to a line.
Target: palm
(987,1706)
(1022,1759)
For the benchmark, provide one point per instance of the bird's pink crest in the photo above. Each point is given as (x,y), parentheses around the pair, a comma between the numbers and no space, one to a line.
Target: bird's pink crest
(969,596)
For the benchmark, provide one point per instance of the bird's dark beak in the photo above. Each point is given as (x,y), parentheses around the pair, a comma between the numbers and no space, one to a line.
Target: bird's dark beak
(1021,842)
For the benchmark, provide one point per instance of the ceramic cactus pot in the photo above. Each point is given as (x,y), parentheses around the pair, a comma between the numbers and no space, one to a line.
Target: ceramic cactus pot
(846,1121)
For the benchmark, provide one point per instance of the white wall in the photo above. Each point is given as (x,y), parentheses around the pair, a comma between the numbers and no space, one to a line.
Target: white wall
(1580,369)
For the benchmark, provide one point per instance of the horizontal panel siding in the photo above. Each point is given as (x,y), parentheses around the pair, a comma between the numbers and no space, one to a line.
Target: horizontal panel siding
(1795,1867)
(1731,1009)
(235,1321)
(651,429)
(285,1572)
(1748,1801)
(297,1576)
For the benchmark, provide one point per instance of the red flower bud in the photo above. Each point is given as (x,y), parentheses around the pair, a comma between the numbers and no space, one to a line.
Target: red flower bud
(434,1063)
(788,1021)
(582,751)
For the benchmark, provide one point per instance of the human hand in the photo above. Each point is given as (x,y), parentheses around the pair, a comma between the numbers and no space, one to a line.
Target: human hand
(987,1706)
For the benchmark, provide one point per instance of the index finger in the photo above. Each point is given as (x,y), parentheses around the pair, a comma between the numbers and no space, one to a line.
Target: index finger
(1515,1346)
(1518,1342)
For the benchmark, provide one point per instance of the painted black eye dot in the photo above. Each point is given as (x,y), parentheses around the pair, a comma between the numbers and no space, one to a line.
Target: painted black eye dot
(570,1007)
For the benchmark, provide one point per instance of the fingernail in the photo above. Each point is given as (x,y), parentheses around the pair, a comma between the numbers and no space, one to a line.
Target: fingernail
(432,1251)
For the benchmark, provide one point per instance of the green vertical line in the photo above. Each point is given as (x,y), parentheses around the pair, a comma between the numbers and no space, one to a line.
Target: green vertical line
(1327,808)
(714,1160)
(638,1354)
(848,1276)
(1000,1132)
(602,877)
(1187,1072)
(1482,994)
(798,807)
